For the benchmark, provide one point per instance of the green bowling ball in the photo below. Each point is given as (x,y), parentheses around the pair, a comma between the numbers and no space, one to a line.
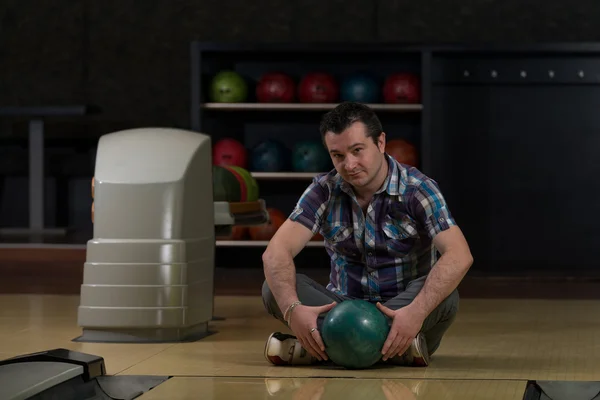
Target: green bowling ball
(226,186)
(354,332)
(228,87)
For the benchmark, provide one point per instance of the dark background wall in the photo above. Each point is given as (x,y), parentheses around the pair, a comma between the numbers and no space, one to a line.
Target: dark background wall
(131,57)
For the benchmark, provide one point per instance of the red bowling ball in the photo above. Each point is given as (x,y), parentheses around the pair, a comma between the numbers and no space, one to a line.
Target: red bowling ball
(318,87)
(275,88)
(230,152)
(401,88)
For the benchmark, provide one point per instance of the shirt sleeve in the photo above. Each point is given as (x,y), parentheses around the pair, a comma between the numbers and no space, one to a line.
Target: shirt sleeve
(311,206)
(430,209)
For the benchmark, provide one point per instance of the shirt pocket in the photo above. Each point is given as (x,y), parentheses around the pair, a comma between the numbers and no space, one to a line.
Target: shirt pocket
(400,235)
(341,238)
(337,233)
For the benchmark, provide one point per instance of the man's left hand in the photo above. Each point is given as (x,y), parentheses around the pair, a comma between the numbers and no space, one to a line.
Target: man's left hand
(405,326)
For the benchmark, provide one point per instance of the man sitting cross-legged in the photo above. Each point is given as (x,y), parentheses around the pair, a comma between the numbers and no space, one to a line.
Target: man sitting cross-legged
(385,226)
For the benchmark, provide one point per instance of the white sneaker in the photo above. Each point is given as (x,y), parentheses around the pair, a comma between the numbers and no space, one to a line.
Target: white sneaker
(417,354)
(284,385)
(285,349)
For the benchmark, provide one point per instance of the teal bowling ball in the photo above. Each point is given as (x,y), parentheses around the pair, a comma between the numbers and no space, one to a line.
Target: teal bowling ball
(354,332)
(310,156)
(360,87)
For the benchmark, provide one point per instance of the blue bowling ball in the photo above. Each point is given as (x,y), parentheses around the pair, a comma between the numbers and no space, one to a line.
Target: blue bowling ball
(269,156)
(360,87)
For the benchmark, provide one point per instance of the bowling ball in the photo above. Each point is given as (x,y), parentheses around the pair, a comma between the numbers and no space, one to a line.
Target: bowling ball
(267,230)
(354,332)
(241,182)
(269,156)
(403,151)
(251,184)
(317,238)
(228,87)
(310,156)
(362,88)
(226,187)
(275,88)
(237,233)
(318,87)
(401,88)
(229,152)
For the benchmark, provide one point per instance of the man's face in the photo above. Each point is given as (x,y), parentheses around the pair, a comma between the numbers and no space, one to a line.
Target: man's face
(355,157)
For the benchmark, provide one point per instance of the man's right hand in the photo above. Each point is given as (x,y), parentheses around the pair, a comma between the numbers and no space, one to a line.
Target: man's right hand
(304,319)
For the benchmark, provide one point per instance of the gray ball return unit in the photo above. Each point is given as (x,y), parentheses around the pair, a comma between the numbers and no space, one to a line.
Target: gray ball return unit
(149,270)
(68,375)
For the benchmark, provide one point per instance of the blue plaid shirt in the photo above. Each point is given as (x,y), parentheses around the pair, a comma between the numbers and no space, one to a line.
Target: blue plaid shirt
(375,255)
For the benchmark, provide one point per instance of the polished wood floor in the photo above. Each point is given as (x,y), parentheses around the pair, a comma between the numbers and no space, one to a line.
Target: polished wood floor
(493,349)
(509,330)
(335,388)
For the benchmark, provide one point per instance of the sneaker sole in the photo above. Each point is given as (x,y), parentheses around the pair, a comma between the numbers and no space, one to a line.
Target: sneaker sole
(266,348)
(274,359)
(421,347)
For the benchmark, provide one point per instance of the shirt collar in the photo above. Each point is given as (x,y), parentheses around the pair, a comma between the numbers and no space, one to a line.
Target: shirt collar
(392,185)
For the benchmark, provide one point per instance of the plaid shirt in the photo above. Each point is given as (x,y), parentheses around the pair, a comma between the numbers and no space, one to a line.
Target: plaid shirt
(374,256)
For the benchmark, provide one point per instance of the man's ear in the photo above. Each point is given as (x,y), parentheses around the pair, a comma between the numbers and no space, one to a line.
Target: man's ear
(381,142)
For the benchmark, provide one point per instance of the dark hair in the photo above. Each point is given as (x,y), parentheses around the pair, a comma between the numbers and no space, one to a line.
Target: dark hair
(347,113)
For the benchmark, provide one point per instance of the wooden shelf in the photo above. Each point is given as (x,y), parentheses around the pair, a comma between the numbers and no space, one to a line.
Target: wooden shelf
(257,243)
(303,107)
(285,175)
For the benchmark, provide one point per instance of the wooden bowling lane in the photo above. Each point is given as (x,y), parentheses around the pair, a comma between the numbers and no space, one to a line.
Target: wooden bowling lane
(182,388)
(491,339)
(32,323)
(493,342)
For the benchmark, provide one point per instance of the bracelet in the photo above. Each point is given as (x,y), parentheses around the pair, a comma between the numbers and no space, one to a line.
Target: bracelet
(289,321)
(288,313)
(289,309)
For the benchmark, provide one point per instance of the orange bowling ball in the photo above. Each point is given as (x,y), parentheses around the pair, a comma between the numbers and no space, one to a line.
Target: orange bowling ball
(403,151)
(317,238)
(237,233)
(267,230)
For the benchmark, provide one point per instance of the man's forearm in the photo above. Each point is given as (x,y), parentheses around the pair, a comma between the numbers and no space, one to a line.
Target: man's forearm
(280,273)
(444,277)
